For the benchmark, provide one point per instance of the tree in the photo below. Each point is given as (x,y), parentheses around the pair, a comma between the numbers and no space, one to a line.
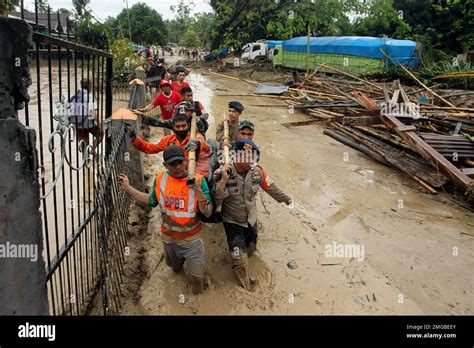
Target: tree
(90,34)
(440,24)
(147,25)
(445,24)
(183,20)
(113,29)
(80,6)
(7,6)
(42,5)
(190,38)
(203,24)
(64,10)
(242,21)
(381,18)
(183,11)
(175,30)
(122,52)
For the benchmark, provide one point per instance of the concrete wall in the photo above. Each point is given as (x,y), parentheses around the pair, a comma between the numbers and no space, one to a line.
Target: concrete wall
(22,279)
(22,268)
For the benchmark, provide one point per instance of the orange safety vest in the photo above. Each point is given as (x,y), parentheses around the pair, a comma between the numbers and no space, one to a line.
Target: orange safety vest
(179,206)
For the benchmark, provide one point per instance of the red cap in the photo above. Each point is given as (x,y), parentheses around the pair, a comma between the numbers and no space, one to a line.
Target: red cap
(165,82)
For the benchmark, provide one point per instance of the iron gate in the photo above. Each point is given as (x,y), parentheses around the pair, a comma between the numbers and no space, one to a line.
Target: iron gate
(85,214)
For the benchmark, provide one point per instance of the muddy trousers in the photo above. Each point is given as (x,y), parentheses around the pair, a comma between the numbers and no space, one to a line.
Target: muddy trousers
(242,238)
(242,242)
(193,255)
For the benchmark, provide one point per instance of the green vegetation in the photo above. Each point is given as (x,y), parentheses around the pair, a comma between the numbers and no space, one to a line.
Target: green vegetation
(146,26)
(7,6)
(427,73)
(190,31)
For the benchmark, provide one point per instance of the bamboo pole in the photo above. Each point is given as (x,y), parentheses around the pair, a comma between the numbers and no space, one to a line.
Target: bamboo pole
(191,179)
(445,108)
(226,140)
(417,80)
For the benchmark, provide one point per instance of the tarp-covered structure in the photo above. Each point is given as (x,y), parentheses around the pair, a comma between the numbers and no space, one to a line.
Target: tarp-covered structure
(401,51)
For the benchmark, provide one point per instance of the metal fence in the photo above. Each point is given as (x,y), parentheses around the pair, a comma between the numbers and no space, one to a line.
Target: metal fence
(85,214)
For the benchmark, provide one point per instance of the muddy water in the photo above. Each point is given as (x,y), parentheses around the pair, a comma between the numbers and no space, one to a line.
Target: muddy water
(340,197)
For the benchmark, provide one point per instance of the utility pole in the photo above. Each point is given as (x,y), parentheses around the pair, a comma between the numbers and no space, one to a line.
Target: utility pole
(121,32)
(129,27)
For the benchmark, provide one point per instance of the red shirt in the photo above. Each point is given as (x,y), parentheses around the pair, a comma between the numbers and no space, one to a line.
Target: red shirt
(167,104)
(177,88)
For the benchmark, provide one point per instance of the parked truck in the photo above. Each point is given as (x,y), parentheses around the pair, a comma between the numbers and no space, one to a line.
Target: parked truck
(262,50)
(357,55)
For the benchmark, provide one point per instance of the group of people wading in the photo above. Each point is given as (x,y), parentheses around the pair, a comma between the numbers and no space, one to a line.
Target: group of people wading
(204,180)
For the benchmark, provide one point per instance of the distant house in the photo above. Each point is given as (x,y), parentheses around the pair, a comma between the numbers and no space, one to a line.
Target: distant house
(59,27)
(59,22)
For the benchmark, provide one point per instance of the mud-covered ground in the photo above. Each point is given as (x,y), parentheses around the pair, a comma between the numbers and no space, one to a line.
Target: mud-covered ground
(418,248)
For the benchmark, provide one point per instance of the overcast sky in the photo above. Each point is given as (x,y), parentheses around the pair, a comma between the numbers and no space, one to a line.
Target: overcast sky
(104,8)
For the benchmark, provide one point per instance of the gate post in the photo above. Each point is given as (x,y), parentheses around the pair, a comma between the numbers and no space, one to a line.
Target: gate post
(22,268)
(136,101)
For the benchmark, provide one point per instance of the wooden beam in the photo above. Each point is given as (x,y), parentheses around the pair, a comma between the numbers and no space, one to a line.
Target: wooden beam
(428,153)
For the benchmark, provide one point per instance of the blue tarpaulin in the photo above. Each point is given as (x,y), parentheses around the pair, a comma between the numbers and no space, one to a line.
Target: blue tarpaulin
(273,43)
(401,51)
(224,52)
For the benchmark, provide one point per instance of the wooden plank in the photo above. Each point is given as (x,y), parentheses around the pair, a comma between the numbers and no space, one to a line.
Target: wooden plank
(395,95)
(428,153)
(405,128)
(468,171)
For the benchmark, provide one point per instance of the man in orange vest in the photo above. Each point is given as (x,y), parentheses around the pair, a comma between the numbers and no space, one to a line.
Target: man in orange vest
(181,207)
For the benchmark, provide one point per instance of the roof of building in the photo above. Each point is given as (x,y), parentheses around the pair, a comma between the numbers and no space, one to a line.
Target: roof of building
(58,21)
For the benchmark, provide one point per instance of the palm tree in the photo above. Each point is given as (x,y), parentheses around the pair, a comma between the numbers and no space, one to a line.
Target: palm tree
(42,5)
(80,6)
(7,6)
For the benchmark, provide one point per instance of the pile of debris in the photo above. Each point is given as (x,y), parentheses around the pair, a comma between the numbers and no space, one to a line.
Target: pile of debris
(415,130)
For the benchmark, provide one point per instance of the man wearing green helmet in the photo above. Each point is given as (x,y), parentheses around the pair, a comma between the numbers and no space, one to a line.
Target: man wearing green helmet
(246,130)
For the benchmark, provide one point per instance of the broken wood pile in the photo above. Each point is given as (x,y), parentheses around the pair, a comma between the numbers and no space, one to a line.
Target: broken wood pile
(413,129)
